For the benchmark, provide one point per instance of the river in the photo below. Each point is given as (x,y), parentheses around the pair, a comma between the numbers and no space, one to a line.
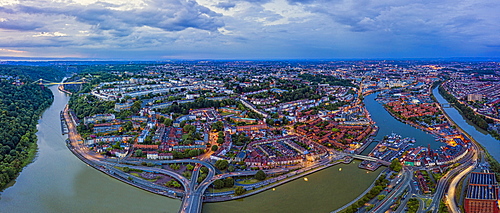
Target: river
(388,125)
(59,182)
(325,191)
(491,144)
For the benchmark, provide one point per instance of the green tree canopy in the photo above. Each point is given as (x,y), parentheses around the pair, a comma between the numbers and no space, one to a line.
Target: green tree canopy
(395,165)
(239,190)
(221,164)
(260,175)
(218,184)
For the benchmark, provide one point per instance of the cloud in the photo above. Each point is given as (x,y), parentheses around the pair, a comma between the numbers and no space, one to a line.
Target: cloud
(20,25)
(48,34)
(252,28)
(439,19)
(226,5)
(167,15)
(11,51)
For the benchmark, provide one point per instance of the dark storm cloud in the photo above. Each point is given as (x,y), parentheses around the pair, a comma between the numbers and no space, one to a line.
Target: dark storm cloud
(226,5)
(300,1)
(19,25)
(168,15)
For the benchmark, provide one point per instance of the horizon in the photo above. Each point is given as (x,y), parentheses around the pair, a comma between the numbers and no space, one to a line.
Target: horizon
(4,60)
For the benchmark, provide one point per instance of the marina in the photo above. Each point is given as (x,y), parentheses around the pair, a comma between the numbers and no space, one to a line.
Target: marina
(64,125)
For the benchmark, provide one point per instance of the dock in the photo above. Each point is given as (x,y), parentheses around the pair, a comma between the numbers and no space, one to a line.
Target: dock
(64,125)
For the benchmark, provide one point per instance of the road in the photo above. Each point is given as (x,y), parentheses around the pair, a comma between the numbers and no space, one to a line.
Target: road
(192,201)
(396,192)
(194,191)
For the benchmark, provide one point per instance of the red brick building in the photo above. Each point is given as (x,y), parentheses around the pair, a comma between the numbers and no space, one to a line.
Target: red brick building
(482,193)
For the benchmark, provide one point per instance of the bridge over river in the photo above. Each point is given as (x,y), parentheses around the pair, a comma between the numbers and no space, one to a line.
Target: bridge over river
(364,157)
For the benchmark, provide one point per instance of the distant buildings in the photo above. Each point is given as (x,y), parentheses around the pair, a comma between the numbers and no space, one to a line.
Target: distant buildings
(482,193)
(474,97)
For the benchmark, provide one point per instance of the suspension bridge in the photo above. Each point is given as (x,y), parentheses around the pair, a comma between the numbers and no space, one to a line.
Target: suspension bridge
(47,83)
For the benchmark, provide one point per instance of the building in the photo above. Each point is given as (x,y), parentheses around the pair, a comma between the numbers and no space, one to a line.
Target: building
(106,127)
(123,106)
(474,97)
(482,193)
(98,118)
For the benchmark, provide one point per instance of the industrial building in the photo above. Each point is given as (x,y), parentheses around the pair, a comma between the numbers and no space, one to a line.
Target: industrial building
(482,193)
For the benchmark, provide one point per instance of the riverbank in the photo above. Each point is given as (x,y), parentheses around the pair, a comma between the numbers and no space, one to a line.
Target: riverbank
(22,107)
(32,153)
(61,88)
(280,180)
(467,112)
(414,125)
(322,191)
(73,145)
(494,163)
(57,175)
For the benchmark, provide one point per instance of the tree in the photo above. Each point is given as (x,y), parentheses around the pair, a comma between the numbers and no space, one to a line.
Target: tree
(175,166)
(173,183)
(126,169)
(20,109)
(204,170)
(189,128)
(136,107)
(221,164)
(218,126)
(231,168)
(187,174)
(168,122)
(220,140)
(229,182)
(380,197)
(215,148)
(139,153)
(194,152)
(260,175)
(218,184)
(189,167)
(395,165)
(239,190)
(201,177)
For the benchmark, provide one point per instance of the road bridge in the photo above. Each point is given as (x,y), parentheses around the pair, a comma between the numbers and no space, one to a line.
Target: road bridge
(446,105)
(364,157)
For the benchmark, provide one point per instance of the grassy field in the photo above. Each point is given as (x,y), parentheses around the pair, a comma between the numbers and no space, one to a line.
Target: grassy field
(248,181)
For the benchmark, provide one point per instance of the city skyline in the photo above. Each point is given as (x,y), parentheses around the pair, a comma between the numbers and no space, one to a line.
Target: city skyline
(248,29)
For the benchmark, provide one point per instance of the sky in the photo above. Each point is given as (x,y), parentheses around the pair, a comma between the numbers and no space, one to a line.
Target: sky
(248,29)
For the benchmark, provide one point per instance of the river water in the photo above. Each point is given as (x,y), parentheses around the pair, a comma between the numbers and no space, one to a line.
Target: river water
(491,144)
(324,191)
(388,125)
(59,182)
